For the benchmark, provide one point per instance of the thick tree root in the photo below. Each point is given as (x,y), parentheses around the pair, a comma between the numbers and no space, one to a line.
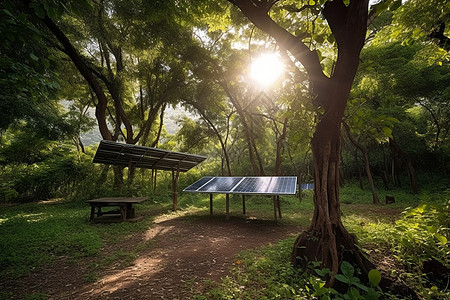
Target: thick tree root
(316,245)
(312,246)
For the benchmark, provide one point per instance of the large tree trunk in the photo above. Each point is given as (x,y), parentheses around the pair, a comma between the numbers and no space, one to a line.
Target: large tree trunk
(326,239)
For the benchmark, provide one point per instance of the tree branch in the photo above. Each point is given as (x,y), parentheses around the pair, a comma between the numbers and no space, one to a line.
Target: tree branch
(84,70)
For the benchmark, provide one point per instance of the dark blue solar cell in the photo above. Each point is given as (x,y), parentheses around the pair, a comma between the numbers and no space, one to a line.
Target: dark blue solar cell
(253,185)
(197,184)
(267,185)
(220,185)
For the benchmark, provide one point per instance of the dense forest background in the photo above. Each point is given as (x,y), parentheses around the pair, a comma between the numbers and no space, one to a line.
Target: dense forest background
(70,69)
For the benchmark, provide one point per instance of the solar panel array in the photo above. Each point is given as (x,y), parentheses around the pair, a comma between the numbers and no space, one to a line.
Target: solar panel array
(307,186)
(112,153)
(264,185)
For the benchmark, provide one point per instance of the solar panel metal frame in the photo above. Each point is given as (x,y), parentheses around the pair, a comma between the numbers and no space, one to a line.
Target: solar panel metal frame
(120,154)
(236,188)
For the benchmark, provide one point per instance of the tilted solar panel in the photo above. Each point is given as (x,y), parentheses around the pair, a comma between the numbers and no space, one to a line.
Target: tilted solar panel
(307,186)
(264,185)
(112,153)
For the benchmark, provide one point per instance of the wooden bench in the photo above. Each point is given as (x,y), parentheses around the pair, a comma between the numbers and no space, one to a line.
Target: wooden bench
(125,204)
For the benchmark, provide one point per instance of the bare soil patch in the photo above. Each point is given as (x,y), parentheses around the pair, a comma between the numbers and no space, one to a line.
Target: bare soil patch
(175,256)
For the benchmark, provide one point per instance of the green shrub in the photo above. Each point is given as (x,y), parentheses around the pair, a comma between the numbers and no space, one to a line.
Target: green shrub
(423,233)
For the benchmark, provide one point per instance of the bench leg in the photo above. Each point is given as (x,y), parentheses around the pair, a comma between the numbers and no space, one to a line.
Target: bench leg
(130,211)
(123,212)
(92,212)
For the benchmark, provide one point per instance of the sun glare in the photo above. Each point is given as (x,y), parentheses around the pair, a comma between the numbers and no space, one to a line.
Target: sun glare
(266,69)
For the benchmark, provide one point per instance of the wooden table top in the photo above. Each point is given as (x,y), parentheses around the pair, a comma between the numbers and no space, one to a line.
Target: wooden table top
(118,200)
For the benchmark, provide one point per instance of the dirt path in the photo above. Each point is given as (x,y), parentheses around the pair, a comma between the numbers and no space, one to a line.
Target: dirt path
(179,253)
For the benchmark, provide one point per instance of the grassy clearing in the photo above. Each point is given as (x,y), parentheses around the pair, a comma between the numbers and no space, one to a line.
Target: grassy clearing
(34,234)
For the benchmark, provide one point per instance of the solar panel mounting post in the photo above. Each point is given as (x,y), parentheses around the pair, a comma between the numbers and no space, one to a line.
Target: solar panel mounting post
(279,206)
(275,207)
(175,174)
(243,204)
(228,206)
(211,204)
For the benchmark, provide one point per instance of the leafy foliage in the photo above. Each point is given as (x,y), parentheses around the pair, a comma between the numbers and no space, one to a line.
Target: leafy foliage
(424,232)
(28,72)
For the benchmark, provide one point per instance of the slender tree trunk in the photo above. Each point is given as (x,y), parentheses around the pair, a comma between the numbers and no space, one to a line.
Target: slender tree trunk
(361,186)
(395,148)
(279,143)
(118,177)
(219,137)
(375,198)
(161,123)
(258,157)
(247,133)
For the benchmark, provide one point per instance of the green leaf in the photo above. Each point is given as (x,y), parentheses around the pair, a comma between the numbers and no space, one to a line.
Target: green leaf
(441,238)
(361,286)
(355,293)
(387,131)
(342,278)
(8,13)
(347,269)
(322,272)
(371,295)
(374,277)
(34,57)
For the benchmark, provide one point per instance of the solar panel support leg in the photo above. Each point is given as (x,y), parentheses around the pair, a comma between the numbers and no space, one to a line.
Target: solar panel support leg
(175,175)
(243,204)
(210,204)
(279,206)
(275,207)
(228,206)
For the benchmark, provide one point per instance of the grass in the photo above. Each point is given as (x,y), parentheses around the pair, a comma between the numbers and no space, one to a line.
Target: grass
(33,235)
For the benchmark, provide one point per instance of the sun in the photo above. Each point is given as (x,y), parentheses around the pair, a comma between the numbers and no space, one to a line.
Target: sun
(266,69)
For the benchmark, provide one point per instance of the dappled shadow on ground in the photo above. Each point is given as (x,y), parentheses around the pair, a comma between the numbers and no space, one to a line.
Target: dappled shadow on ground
(176,256)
